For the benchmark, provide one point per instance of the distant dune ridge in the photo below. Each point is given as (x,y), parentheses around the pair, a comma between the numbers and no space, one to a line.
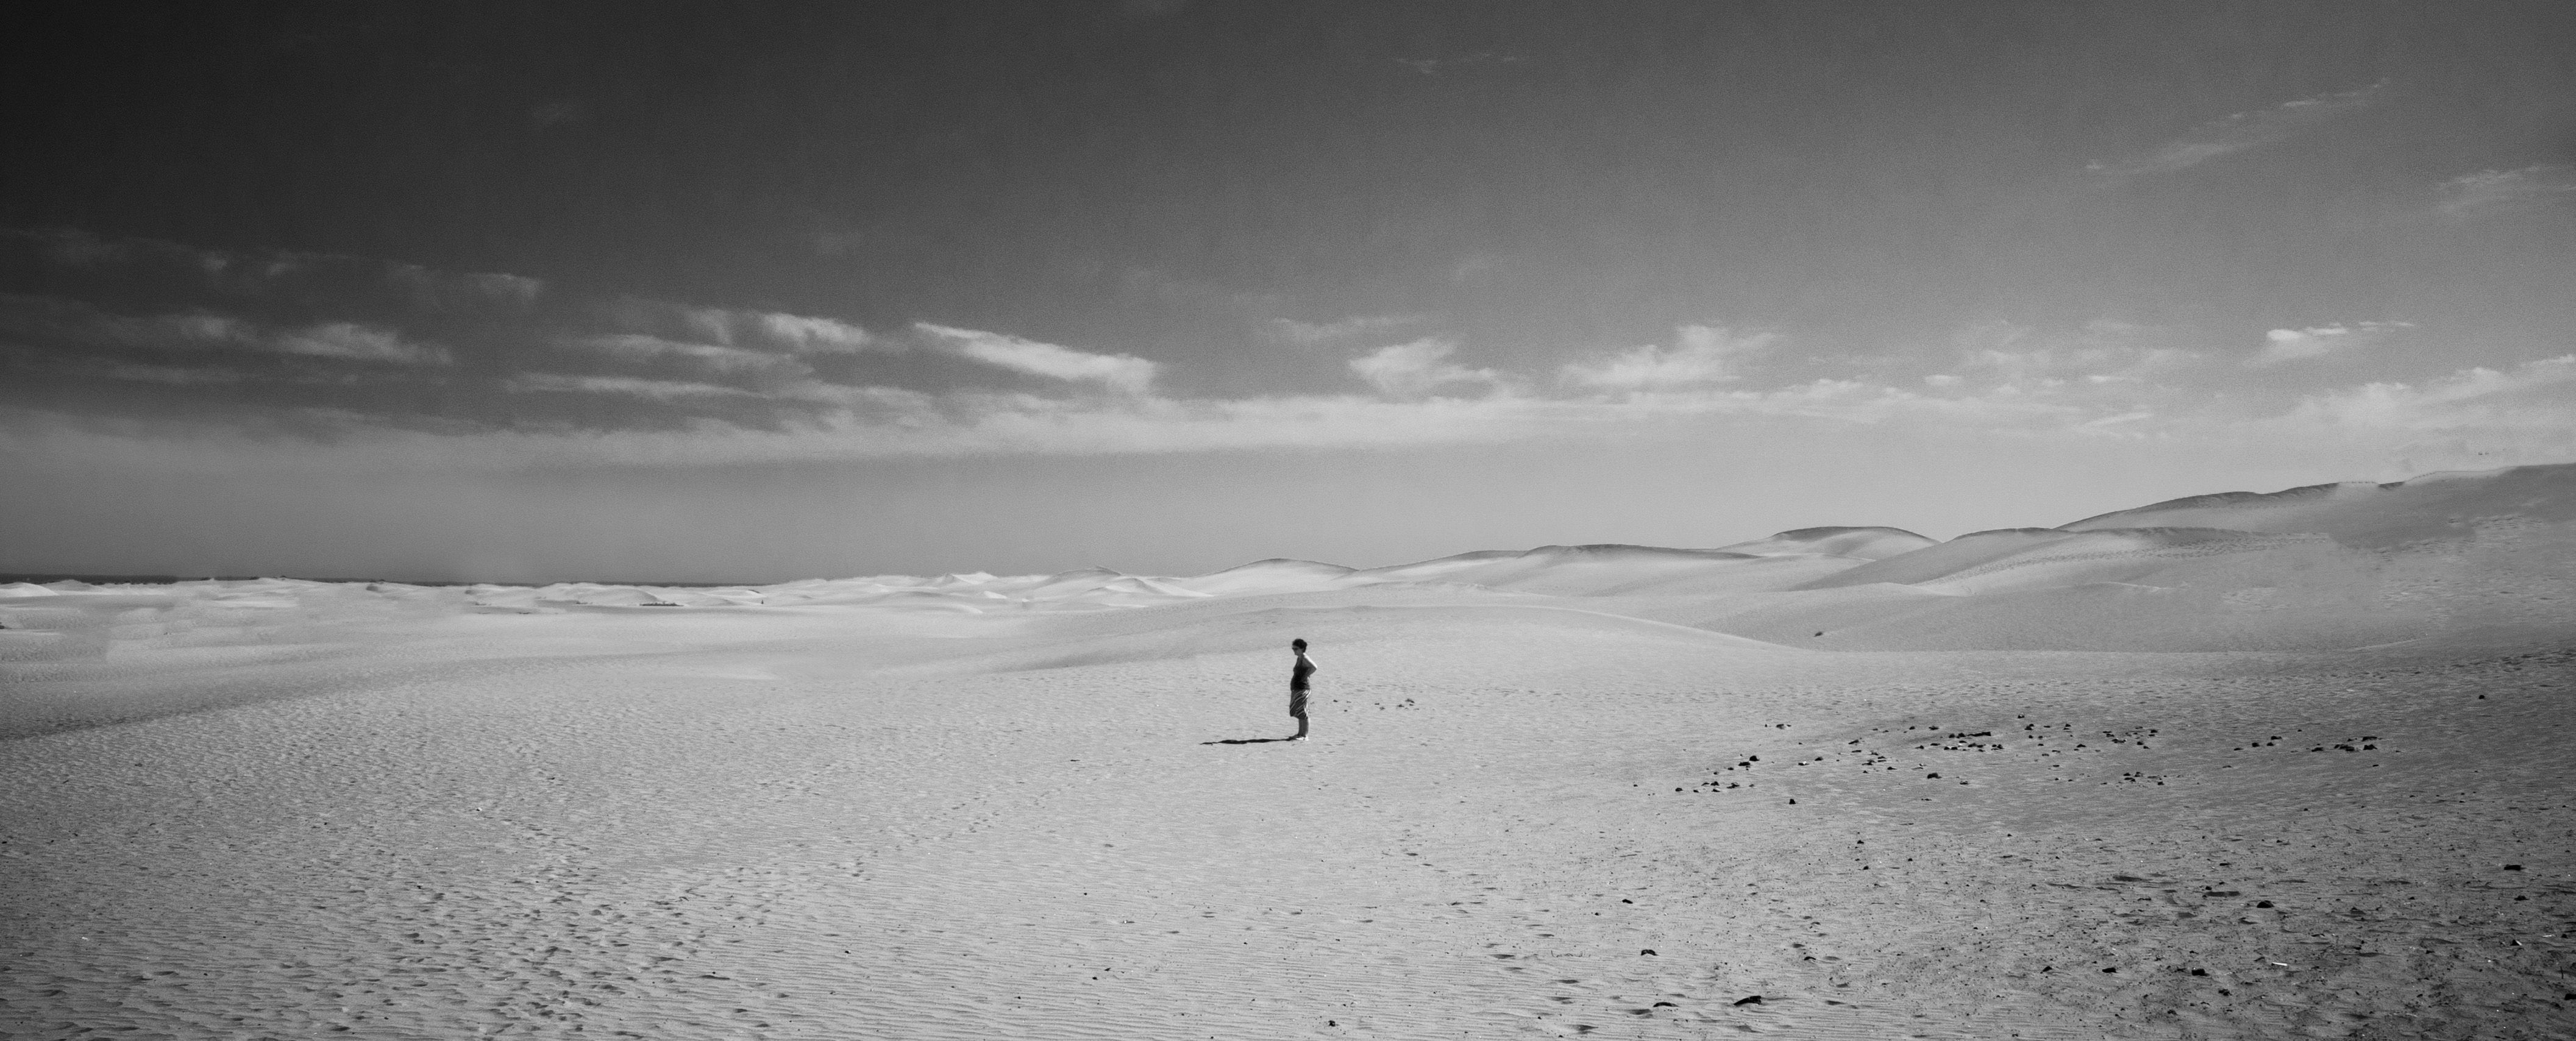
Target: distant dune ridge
(2455,556)
(1862,543)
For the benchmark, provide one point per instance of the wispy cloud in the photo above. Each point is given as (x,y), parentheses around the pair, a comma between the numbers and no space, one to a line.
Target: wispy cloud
(155,331)
(2103,354)
(731,327)
(1701,354)
(2286,345)
(2489,192)
(68,322)
(2241,131)
(2535,395)
(658,390)
(434,290)
(638,348)
(356,342)
(2475,413)
(1419,367)
(577,379)
(810,333)
(1001,350)
(1293,331)
(277,270)
(175,376)
(2477,417)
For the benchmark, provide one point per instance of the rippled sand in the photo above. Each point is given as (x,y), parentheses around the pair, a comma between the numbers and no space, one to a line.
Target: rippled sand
(1516,818)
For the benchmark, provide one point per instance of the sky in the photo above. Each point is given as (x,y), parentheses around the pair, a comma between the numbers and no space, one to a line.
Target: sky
(750,293)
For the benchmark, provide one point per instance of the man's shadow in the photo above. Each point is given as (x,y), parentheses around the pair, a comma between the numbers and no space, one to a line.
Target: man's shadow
(1247,741)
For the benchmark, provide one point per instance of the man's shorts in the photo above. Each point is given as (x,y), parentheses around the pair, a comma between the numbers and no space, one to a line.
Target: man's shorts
(1296,702)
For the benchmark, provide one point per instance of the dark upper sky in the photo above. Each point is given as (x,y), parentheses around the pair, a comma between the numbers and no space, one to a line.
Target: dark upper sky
(835,238)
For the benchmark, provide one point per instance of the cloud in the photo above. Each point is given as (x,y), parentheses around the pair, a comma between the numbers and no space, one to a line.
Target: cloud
(2285,345)
(72,247)
(807,333)
(637,348)
(816,401)
(2499,191)
(658,390)
(632,379)
(2520,409)
(730,327)
(434,290)
(176,376)
(1410,369)
(888,423)
(56,322)
(2472,418)
(356,311)
(73,322)
(1294,331)
(287,273)
(1119,372)
(2535,395)
(170,330)
(355,342)
(2241,131)
(2102,354)
(1703,354)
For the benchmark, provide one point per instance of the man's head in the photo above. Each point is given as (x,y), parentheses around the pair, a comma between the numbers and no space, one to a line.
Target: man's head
(1298,646)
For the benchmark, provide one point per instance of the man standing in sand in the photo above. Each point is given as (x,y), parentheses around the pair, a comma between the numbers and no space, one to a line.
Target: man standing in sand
(1298,682)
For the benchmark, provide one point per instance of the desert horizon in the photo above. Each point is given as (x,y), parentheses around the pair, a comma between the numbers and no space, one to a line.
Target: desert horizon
(1823,538)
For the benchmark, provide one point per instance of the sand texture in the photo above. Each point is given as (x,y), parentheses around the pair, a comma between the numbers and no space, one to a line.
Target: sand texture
(2257,766)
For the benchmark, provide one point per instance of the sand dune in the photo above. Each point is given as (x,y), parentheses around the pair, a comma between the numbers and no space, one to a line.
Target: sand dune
(2448,557)
(1938,560)
(2238,766)
(2435,507)
(1864,543)
(1606,570)
(1268,576)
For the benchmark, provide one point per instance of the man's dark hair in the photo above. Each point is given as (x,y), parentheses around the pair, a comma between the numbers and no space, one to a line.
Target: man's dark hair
(1297,644)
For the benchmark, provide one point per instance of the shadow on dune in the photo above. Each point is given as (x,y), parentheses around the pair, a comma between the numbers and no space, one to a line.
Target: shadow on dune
(1247,740)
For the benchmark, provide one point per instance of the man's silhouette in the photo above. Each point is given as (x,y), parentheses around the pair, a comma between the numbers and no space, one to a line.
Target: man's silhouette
(1298,683)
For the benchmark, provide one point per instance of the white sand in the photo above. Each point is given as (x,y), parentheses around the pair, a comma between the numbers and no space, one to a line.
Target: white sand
(979,807)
